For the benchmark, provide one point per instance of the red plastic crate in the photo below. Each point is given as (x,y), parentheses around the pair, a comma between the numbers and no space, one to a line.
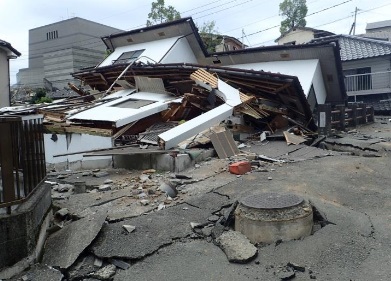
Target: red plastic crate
(240,168)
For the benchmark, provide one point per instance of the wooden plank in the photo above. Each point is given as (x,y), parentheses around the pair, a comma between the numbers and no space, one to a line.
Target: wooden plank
(123,130)
(6,161)
(293,139)
(204,76)
(245,98)
(224,144)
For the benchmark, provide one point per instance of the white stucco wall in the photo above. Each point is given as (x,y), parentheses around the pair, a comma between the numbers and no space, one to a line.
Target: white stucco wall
(154,50)
(307,71)
(72,142)
(180,52)
(4,79)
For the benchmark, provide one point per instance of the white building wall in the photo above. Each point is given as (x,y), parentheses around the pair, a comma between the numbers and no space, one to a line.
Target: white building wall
(4,79)
(307,71)
(180,52)
(154,50)
(73,142)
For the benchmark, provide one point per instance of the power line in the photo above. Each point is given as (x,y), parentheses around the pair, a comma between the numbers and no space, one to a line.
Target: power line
(317,12)
(327,23)
(223,9)
(212,7)
(258,21)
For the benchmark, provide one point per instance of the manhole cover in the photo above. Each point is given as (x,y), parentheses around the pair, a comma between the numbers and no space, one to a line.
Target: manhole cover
(271,201)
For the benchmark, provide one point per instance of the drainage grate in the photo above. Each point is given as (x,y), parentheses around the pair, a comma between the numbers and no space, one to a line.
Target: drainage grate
(271,201)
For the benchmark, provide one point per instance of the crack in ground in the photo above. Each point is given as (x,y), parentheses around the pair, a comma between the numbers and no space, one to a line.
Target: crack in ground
(373,230)
(191,205)
(352,146)
(218,193)
(141,258)
(108,201)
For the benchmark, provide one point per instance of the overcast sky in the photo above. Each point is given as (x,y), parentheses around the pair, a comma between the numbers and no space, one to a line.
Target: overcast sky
(258,19)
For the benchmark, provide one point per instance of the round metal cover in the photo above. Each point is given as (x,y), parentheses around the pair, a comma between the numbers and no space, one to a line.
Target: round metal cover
(271,201)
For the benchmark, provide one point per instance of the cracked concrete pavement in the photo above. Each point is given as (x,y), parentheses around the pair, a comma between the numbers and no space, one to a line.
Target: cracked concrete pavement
(352,190)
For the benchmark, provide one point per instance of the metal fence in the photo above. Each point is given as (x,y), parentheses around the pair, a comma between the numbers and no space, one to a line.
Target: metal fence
(368,81)
(22,158)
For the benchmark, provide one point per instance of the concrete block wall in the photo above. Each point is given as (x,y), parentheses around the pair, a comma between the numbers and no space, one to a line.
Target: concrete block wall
(19,232)
(162,162)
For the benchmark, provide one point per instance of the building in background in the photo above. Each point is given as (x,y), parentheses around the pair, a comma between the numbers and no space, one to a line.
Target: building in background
(301,35)
(366,67)
(7,52)
(61,48)
(378,30)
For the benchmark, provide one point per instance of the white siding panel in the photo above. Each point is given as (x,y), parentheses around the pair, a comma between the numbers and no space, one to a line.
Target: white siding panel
(180,52)
(154,50)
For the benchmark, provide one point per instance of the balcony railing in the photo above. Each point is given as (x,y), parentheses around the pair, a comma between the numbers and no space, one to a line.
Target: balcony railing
(375,82)
(22,158)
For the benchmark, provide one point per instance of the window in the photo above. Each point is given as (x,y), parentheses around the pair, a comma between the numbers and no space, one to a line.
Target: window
(358,79)
(131,103)
(52,35)
(128,57)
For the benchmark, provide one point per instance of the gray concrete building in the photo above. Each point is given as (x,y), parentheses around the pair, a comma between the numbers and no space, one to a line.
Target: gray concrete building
(58,49)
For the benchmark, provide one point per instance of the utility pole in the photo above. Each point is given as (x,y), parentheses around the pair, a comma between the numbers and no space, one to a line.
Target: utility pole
(242,38)
(353,28)
(355,17)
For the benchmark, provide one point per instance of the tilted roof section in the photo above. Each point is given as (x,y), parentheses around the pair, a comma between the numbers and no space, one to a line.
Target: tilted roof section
(183,27)
(326,52)
(354,47)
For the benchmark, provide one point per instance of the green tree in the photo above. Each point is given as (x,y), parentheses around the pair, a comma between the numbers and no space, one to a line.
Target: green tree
(209,35)
(160,13)
(40,96)
(295,12)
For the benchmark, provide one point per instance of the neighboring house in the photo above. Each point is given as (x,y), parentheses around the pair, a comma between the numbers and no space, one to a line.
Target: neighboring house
(221,43)
(301,35)
(366,66)
(378,30)
(7,52)
(229,43)
(58,49)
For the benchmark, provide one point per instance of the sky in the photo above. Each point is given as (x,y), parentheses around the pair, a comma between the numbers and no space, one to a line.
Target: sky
(256,22)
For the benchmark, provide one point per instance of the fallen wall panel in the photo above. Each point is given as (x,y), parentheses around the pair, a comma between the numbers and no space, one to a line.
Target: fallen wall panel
(196,125)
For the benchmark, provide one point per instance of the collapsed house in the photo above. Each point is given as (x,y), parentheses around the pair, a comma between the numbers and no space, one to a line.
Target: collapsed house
(159,86)
(208,96)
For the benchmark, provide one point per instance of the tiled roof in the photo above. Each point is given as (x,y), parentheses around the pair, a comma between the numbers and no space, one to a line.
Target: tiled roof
(354,47)
(7,45)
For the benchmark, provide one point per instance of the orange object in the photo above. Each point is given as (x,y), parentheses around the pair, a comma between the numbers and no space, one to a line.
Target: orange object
(240,168)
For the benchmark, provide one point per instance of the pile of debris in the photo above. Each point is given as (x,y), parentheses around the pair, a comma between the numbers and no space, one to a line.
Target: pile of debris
(165,105)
